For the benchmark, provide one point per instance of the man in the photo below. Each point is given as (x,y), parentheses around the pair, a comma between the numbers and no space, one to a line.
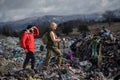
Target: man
(52,45)
(27,43)
(108,34)
(105,31)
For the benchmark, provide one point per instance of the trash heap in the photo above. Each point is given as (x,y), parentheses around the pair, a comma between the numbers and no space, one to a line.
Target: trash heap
(103,53)
(86,59)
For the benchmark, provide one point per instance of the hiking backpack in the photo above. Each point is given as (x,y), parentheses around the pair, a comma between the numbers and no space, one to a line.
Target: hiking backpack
(45,38)
(20,37)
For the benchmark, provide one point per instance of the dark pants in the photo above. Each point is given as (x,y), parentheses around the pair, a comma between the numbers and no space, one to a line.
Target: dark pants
(29,55)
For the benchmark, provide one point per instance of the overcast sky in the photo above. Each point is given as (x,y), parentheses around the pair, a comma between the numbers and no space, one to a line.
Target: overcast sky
(11,10)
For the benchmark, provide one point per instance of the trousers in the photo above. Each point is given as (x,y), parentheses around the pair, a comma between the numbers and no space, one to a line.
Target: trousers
(49,54)
(29,55)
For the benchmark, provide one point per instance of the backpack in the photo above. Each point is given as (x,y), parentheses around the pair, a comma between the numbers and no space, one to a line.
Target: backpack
(20,37)
(45,38)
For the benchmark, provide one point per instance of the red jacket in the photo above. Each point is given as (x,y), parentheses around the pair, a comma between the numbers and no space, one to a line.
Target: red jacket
(27,40)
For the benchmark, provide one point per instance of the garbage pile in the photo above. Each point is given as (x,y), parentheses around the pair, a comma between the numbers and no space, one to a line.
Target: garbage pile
(86,59)
(103,53)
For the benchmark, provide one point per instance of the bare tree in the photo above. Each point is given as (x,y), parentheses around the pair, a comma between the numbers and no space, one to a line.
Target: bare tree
(109,16)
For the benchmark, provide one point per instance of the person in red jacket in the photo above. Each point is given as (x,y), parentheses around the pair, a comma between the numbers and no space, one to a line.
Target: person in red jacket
(27,43)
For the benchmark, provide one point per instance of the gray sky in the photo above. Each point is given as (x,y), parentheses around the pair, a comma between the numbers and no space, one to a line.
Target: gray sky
(11,10)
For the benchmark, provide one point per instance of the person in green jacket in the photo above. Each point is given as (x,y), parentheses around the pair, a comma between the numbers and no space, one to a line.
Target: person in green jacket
(52,45)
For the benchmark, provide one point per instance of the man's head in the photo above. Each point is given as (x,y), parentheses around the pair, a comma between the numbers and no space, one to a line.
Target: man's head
(53,26)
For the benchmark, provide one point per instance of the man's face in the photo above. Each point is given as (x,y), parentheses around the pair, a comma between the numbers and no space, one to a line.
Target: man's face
(54,27)
(31,30)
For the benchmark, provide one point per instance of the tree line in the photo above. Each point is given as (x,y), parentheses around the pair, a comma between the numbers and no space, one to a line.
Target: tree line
(64,28)
(8,31)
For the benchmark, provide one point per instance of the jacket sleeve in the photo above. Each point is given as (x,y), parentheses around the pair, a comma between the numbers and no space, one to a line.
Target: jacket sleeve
(23,40)
(36,33)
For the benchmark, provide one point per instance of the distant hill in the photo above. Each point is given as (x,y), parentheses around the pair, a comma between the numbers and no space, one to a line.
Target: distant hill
(21,24)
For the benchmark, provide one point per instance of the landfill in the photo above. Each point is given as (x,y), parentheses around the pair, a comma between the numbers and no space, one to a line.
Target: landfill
(93,58)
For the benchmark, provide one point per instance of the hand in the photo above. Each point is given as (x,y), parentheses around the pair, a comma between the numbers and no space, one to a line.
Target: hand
(59,40)
(26,51)
(63,39)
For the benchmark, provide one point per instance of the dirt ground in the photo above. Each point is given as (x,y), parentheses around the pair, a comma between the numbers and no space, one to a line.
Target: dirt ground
(96,27)
(115,27)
